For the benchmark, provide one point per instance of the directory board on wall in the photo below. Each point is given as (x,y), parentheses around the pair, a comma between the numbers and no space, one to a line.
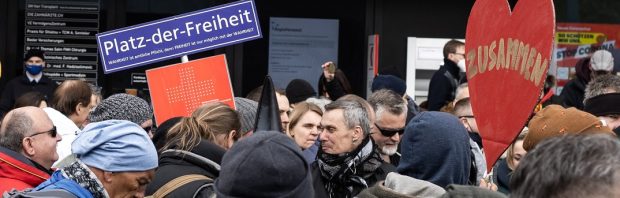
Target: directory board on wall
(299,46)
(65,30)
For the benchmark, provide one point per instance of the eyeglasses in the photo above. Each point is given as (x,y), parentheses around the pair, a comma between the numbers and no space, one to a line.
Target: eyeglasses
(459,54)
(52,132)
(390,132)
(149,129)
(467,116)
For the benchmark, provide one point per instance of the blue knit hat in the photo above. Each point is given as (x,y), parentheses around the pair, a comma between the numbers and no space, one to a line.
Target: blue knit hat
(389,82)
(115,146)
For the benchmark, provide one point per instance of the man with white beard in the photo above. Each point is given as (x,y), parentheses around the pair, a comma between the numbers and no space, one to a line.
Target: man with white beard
(391,114)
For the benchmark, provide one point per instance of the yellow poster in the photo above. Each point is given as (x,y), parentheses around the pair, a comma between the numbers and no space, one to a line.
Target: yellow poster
(580,38)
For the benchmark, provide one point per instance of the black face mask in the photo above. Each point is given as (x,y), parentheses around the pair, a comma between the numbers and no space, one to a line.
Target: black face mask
(476,137)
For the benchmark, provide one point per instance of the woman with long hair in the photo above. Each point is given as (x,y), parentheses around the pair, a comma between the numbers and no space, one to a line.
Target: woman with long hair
(195,147)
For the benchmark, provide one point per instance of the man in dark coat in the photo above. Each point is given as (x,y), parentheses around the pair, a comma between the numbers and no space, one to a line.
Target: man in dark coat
(599,64)
(32,80)
(445,80)
(348,161)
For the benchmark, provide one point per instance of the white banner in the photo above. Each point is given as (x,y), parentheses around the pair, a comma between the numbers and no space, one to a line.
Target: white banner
(298,47)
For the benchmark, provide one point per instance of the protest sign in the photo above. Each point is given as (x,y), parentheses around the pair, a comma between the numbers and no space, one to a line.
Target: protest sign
(178,35)
(577,41)
(177,90)
(508,55)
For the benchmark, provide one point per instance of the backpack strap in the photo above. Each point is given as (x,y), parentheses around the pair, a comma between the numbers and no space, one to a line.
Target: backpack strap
(176,183)
(206,190)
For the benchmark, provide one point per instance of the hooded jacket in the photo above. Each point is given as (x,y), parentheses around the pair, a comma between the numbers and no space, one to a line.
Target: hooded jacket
(573,92)
(435,148)
(396,185)
(17,172)
(204,159)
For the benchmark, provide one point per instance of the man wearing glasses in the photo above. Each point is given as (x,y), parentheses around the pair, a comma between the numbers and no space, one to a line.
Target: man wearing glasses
(27,148)
(462,110)
(445,80)
(391,114)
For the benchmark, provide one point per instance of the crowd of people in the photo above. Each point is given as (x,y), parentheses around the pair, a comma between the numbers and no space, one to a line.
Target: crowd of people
(67,141)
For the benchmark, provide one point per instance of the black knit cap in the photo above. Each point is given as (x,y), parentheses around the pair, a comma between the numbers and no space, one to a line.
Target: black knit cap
(604,105)
(389,82)
(159,138)
(34,52)
(266,164)
(299,90)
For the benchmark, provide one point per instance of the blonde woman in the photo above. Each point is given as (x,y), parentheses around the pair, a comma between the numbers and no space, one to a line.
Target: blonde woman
(304,123)
(502,172)
(195,146)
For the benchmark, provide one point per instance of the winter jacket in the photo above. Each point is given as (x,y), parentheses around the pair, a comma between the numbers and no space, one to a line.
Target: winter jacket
(310,153)
(479,160)
(18,172)
(501,176)
(400,186)
(336,88)
(412,108)
(460,191)
(443,85)
(204,159)
(573,93)
(20,85)
(59,182)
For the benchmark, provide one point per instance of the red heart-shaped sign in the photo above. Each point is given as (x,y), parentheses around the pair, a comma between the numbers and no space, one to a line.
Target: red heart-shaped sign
(508,55)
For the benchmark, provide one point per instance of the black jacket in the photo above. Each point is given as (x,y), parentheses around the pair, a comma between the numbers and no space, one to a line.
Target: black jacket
(336,88)
(443,85)
(20,85)
(204,159)
(501,176)
(412,109)
(573,93)
(319,183)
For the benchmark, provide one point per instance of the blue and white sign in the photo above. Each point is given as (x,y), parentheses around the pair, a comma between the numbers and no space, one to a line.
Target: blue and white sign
(178,35)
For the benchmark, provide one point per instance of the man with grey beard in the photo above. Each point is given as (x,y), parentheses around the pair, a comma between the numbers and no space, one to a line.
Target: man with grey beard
(391,114)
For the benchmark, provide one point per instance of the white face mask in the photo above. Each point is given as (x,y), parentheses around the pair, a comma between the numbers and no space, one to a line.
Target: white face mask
(461,65)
